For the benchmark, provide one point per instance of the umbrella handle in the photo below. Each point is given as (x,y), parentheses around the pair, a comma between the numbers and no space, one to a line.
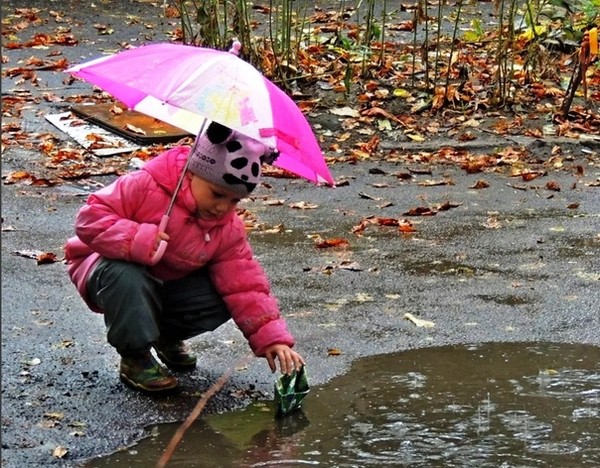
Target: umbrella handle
(162,245)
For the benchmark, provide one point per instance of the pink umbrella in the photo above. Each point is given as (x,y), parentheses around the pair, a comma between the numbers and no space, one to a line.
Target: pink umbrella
(185,85)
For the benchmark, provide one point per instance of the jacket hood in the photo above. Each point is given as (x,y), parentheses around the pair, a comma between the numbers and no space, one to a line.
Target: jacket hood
(166,168)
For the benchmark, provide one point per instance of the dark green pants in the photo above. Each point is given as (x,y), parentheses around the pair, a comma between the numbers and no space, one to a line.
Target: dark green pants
(139,308)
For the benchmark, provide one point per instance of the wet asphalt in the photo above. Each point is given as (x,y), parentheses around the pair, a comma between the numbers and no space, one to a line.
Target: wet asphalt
(514,262)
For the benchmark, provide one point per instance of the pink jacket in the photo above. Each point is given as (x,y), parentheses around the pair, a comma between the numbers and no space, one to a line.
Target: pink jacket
(121,221)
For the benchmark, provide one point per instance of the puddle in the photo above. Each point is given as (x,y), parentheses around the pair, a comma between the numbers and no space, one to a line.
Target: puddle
(491,405)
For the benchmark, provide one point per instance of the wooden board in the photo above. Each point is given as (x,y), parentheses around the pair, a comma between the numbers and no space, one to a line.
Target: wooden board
(155,130)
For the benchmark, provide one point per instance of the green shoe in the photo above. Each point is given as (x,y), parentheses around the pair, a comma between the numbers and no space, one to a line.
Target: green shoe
(143,372)
(176,355)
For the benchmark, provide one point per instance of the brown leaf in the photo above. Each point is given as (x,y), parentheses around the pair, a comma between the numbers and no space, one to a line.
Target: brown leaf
(41,257)
(407,25)
(17,176)
(420,211)
(480,184)
(334,352)
(418,170)
(405,225)
(528,176)
(473,166)
(46,257)
(467,136)
(553,185)
(171,12)
(333,242)
(447,205)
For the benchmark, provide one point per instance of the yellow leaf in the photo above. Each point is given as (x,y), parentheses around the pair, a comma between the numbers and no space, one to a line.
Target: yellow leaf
(528,35)
(593,35)
(402,93)
(415,137)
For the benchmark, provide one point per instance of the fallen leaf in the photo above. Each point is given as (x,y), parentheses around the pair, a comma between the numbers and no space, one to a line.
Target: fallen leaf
(432,183)
(303,206)
(368,197)
(274,202)
(420,211)
(447,206)
(77,424)
(492,223)
(350,266)
(419,322)
(529,176)
(134,129)
(553,185)
(334,242)
(41,257)
(279,228)
(364,297)
(60,452)
(334,352)
(419,170)
(416,137)
(345,112)
(64,344)
(480,184)
(406,226)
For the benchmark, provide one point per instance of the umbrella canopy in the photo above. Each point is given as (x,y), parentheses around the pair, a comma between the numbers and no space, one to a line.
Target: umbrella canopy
(186,85)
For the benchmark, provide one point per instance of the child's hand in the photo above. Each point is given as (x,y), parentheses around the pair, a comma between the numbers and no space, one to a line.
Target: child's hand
(160,237)
(289,360)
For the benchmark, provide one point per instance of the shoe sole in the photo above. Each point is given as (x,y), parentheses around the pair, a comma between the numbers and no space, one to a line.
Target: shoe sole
(127,381)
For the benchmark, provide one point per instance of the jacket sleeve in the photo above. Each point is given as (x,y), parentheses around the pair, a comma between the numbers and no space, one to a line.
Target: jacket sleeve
(243,283)
(106,222)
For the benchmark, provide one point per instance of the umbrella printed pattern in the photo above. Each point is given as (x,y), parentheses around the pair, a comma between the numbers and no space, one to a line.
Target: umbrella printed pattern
(186,85)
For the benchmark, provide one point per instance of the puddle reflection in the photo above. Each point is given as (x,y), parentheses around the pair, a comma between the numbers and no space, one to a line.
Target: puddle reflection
(491,405)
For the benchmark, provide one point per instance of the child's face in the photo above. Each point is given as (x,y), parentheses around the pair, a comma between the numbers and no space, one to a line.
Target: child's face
(212,201)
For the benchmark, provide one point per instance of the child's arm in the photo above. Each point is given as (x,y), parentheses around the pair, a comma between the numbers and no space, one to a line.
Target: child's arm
(106,223)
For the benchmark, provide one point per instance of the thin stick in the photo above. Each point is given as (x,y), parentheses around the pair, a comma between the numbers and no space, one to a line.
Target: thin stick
(218,385)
